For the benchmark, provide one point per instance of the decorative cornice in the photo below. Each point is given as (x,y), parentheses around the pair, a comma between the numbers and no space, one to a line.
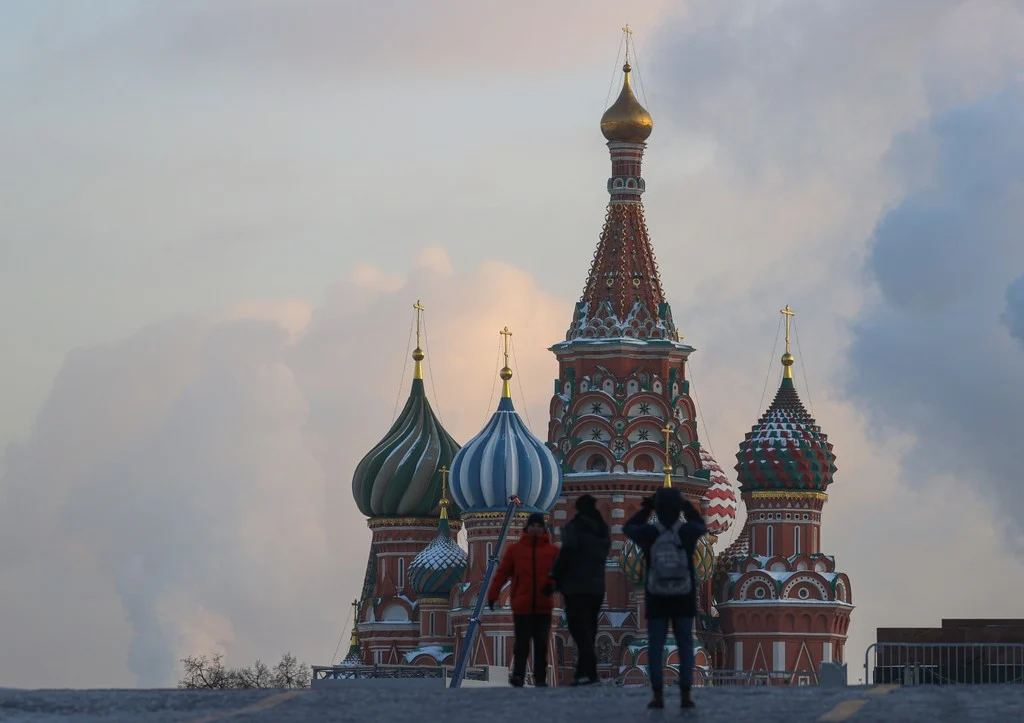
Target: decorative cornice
(480,516)
(787,495)
(377,522)
(432,601)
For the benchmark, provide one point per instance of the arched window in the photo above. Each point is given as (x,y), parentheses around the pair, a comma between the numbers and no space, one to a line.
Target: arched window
(490,550)
(431,623)
(796,540)
(643,463)
(597,463)
(770,541)
(814,540)
(401,573)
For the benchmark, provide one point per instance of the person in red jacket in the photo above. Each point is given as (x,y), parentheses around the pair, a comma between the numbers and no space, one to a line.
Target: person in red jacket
(528,564)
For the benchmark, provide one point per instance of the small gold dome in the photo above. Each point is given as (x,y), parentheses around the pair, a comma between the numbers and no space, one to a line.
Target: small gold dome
(787,359)
(627,120)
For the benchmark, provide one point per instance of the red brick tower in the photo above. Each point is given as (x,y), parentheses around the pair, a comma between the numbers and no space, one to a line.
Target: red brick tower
(784,608)
(621,380)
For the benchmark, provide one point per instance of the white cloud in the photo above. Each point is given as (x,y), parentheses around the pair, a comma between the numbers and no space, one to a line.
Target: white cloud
(195,478)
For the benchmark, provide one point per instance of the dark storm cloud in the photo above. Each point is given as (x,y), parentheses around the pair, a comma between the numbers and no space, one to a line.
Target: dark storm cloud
(1014,314)
(933,355)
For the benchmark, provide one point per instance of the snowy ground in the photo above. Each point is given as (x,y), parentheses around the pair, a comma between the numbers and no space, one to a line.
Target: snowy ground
(930,704)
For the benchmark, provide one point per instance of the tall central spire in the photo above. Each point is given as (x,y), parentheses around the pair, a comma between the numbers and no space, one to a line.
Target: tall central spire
(623,297)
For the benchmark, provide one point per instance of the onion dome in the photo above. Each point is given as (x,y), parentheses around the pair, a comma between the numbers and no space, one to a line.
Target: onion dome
(440,565)
(631,559)
(721,496)
(785,450)
(400,477)
(704,559)
(505,459)
(627,120)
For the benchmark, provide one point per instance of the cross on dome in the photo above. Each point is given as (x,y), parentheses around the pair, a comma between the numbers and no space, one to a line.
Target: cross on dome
(787,358)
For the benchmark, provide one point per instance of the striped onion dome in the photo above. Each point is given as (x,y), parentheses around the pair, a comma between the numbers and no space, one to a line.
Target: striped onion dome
(505,459)
(440,565)
(400,477)
(631,559)
(785,450)
(721,496)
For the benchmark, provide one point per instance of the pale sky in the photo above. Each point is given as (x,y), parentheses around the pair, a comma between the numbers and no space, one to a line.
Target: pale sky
(215,217)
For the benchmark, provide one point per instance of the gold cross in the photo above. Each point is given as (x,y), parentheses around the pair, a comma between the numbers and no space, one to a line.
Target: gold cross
(679,335)
(419,309)
(444,497)
(788,313)
(629,37)
(507,334)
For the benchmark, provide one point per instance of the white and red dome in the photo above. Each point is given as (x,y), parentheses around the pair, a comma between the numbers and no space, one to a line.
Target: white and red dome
(721,496)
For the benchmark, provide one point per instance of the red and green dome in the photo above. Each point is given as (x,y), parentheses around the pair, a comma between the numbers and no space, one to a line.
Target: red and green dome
(785,450)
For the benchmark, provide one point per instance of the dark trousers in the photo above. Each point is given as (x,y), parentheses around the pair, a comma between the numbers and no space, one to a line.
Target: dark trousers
(657,633)
(581,612)
(535,629)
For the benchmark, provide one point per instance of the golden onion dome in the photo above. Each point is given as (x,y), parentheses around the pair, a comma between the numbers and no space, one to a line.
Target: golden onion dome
(627,120)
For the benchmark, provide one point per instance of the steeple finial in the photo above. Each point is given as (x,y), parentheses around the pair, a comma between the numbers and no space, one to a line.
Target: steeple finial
(506,371)
(667,469)
(787,358)
(417,354)
(444,493)
(355,623)
(626,120)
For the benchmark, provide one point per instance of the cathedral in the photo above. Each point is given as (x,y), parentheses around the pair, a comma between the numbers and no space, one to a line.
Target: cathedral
(622,423)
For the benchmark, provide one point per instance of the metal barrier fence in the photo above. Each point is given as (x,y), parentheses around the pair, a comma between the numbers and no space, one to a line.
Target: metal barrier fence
(943,663)
(364,672)
(713,678)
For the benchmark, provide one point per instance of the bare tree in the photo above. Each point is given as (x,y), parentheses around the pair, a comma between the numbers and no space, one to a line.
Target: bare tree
(211,674)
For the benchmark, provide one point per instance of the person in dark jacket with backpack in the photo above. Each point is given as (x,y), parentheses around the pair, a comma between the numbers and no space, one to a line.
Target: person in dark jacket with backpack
(528,563)
(579,574)
(671,585)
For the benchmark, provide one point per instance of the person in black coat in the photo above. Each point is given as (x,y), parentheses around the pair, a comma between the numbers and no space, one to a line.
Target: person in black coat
(680,610)
(579,575)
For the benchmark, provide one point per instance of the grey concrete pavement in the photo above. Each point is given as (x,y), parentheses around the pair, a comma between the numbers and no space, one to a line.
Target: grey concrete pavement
(504,705)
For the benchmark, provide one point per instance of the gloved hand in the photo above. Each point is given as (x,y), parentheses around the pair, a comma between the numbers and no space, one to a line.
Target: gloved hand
(490,604)
(549,589)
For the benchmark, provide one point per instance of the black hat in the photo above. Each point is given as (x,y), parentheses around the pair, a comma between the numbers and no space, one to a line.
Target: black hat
(535,518)
(586,502)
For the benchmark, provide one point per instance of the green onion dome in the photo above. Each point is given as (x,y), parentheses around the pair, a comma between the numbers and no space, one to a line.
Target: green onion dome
(400,477)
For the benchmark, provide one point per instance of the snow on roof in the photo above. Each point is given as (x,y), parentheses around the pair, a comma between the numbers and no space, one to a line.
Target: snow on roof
(617,618)
(437,652)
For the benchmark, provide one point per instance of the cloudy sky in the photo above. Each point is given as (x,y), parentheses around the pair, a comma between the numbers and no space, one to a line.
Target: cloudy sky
(215,217)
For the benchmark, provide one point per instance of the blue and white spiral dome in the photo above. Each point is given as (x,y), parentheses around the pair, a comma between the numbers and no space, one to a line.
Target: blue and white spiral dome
(505,459)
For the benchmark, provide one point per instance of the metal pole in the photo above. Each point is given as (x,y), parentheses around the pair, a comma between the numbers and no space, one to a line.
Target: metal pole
(474,621)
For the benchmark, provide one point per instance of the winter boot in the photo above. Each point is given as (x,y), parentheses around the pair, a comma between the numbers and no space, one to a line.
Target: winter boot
(686,701)
(658,701)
